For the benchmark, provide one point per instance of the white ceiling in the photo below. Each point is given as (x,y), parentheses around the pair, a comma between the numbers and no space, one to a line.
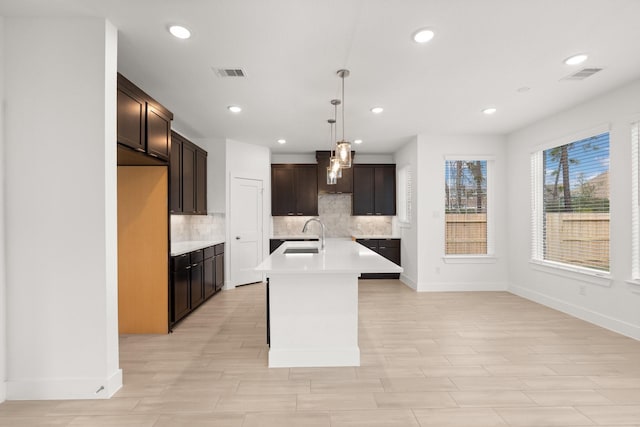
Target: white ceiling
(483,51)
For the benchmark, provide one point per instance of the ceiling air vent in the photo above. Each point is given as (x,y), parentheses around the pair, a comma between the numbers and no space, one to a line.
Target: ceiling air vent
(582,74)
(229,72)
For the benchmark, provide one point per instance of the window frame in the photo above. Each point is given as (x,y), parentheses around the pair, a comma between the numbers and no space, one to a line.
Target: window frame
(537,261)
(489,257)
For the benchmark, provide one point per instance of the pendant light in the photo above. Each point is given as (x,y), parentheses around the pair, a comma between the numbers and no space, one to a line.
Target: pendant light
(332,176)
(343,147)
(334,161)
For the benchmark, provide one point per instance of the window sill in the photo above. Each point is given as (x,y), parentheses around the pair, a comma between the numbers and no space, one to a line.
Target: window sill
(634,284)
(469,259)
(583,274)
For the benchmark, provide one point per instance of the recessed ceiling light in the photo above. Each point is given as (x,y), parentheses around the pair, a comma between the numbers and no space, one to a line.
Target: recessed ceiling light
(377,110)
(576,59)
(180,31)
(357,141)
(489,111)
(423,35)
(282,141)
(234,108)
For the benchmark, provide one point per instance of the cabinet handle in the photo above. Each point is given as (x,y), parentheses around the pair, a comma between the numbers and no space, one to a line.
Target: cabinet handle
(378,213)
(194,265)
(383,247)
(140,149)
(237,237)
(188,267)
(152,155)
(369,213)
(290,213)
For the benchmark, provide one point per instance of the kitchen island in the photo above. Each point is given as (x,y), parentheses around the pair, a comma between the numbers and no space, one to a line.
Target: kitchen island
(313,301)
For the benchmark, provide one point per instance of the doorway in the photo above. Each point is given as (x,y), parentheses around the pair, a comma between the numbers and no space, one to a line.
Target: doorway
(246,230)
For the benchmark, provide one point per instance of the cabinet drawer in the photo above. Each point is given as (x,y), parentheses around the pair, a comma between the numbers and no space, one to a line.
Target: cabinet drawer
(180,262)
(197,256)
(219,249)
(389,243)
(209,252)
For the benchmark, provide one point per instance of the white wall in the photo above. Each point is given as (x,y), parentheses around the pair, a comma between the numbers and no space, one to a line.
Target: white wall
(614,306)
(433,273)
(248,161)
(60,208)
(408,156)
(216,173)
(3,294)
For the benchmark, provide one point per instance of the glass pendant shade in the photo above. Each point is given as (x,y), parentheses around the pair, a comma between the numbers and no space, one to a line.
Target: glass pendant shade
(334,164)
(332,179)
(343,153)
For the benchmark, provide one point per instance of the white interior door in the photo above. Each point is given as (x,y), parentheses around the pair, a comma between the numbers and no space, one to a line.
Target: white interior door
(246,230)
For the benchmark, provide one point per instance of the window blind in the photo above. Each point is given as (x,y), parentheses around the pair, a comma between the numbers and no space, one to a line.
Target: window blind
(635,200)
(573,190)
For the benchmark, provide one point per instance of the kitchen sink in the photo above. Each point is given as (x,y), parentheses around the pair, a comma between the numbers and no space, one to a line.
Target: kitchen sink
(301,251)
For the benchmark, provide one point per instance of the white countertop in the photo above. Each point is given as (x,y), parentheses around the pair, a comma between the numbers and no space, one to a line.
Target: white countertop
(339,256)
(296,236)
(179,248)
(374,236)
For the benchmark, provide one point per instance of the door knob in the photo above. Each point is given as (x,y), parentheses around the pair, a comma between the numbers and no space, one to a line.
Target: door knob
(237,237)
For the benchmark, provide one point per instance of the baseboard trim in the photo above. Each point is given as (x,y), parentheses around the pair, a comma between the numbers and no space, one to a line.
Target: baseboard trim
(599,319)
(463,287)
(3,391)
(60,389)
(408,282)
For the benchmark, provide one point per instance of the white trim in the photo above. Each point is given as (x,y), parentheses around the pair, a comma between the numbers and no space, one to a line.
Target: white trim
(573,137)
(410,283)
(469,259)
(463,287)
(69,388)
(599,319)
(635,200)
(634,285)
(3,391)
(583,274)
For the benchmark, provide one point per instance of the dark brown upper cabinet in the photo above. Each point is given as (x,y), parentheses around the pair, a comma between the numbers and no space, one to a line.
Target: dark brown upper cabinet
(374,189)
(188,186)
(143,124)
(343,185)
(294,190)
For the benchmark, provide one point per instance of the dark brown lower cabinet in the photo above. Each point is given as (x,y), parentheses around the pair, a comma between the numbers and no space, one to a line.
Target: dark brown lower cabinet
(179,292)
(388,248)
(195,277)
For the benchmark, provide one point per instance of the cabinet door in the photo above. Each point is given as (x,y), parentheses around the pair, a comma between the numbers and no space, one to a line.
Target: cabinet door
(131,113)
(345,184)
(385,190)
(196,283)
(306,184)
(275,244)
(283,201)
(369,243)
(209,274)
(175,181)
(219,261)
(188,177)
(363,190)
(180,294)
(158,132)
(201,181)
(390,249)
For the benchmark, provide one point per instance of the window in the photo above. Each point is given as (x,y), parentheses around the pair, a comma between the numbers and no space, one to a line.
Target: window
(635,200)
(404,195)
(570,204)
(467,226)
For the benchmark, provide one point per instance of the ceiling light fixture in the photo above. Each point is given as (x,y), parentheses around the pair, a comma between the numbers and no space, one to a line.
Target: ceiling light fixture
(377,110)
(576,59)
(423,35)
(282,141)
(489,111)
(334,161)
(357,141)
(234,108)
(343,147)
(180,32)
(332,176)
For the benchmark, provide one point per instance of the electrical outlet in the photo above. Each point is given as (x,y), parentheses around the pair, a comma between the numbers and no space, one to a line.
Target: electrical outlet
(582,290)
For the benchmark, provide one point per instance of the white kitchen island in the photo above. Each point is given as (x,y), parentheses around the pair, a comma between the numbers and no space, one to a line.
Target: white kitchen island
(313,302)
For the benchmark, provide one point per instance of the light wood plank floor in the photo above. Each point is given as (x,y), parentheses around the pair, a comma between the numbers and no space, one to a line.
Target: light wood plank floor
(428,359)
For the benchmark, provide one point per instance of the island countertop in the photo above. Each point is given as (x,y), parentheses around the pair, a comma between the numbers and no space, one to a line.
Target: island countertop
(339,256)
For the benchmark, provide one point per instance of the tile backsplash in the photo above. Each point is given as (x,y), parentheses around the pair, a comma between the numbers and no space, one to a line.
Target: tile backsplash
(335,212)
(197,227)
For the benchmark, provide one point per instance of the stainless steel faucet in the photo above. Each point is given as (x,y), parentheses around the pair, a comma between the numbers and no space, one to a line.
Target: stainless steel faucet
(304,230)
